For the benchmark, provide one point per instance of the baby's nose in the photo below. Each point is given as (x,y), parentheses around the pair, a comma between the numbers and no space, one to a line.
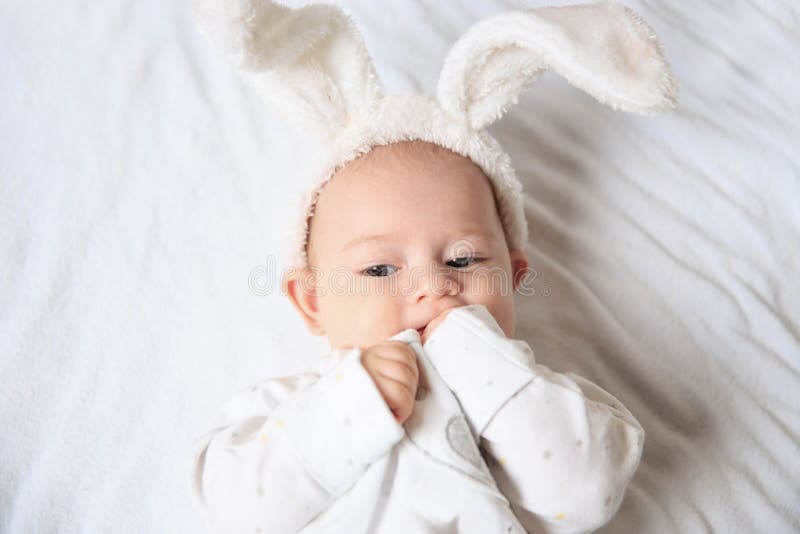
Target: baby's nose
(434,282)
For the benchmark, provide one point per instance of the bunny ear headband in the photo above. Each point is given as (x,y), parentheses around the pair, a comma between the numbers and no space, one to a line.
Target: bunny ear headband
(311,65)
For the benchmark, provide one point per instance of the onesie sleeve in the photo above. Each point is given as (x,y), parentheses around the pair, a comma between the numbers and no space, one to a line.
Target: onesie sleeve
(560,448)
(283,451)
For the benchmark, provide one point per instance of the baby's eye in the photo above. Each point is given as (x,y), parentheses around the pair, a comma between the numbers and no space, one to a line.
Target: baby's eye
(465,261)
(380,270)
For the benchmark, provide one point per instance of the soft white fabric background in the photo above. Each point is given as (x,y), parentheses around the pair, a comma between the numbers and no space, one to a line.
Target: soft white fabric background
(141,184)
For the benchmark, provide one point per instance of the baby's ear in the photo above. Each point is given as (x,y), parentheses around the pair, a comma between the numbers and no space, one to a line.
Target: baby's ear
(300,286)
(310,64)
(605,49)
(519,266)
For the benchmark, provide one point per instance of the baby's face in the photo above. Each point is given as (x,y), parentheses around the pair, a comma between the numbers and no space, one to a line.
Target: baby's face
(398,237)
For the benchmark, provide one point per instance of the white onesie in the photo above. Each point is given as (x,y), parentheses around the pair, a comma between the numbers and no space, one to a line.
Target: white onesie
(495,444)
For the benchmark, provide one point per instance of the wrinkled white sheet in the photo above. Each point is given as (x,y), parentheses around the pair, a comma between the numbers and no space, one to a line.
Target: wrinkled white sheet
(141,184)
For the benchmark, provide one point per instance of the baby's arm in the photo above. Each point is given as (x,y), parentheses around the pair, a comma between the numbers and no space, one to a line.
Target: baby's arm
(284,450)
(560,448)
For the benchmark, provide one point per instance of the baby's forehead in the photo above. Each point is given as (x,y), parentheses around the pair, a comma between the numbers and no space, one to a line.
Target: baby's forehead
(401,189)
(397,190)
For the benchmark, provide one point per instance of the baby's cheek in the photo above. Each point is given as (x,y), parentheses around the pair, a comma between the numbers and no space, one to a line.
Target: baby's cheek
(383,317)
(372,318)
(502,309)
(493,287)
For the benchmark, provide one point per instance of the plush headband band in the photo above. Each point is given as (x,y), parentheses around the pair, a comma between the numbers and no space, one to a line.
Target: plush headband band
(312,66)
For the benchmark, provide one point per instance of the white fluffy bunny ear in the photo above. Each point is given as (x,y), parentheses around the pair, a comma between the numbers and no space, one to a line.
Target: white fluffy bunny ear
(604,49)
(310,64)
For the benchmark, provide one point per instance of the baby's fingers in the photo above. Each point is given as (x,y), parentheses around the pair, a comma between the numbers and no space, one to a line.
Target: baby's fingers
(396,354)
(398,396)
(400,372)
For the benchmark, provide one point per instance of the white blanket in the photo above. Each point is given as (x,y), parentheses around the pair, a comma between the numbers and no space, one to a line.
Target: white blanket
(141,185)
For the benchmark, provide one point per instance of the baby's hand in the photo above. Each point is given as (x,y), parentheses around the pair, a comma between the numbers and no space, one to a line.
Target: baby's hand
(434,323)
(393,367)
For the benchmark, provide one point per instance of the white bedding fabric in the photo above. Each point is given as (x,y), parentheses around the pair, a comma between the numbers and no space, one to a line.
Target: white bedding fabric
(141,182)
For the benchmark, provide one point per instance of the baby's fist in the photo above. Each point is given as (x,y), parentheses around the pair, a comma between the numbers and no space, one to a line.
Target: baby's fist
(393,367)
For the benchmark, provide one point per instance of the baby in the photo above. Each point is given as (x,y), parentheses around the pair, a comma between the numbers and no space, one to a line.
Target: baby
(427,415)
(406,234)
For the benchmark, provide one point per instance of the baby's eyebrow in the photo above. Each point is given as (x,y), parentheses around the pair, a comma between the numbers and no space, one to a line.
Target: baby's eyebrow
(476,234)
(361,240)
(479,236)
